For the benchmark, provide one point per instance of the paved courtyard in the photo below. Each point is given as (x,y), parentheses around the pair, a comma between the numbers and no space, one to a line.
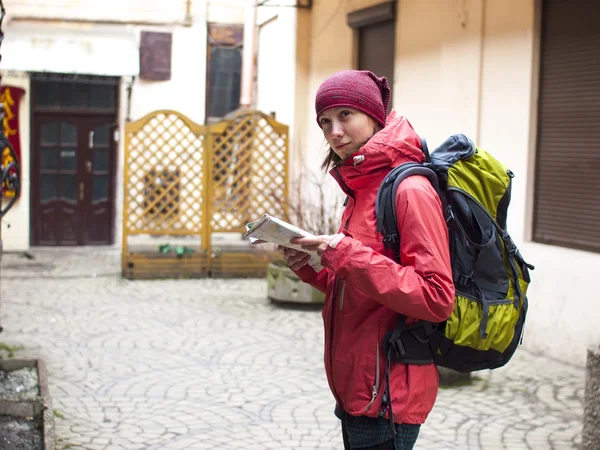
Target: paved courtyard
(212,364)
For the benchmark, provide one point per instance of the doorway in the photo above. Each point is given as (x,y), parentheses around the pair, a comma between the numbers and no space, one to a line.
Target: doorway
(73,160)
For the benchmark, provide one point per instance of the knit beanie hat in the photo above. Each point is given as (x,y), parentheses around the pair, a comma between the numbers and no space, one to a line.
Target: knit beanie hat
(358,89)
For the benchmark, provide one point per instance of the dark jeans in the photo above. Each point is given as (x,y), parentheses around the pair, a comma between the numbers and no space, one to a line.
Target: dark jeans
(368,433)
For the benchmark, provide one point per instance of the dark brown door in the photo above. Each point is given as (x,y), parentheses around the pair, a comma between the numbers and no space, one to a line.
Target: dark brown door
(73,161)
(74,199)
(96,193)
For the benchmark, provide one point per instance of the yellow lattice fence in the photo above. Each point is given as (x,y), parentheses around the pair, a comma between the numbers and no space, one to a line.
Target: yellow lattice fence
(183,179)
(249,170)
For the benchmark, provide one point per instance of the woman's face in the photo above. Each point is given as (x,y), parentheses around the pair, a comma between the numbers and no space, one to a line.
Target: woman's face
(346,130)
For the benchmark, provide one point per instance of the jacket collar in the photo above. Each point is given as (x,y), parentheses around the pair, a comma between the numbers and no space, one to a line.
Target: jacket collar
(395,144)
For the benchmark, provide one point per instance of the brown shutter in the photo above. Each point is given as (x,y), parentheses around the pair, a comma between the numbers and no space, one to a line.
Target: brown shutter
(567,191)
(155,56)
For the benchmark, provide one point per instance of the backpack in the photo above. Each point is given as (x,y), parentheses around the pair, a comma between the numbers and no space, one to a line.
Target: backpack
(489,273)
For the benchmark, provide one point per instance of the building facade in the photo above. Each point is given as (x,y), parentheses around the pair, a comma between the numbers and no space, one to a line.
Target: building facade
(85,69)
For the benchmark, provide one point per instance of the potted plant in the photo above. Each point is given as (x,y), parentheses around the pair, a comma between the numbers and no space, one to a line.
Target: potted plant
(312,207)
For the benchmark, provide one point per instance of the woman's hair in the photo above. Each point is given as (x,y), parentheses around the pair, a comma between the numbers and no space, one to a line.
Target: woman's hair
(331,160)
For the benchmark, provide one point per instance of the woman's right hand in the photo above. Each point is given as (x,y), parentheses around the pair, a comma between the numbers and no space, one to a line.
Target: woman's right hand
(295,259)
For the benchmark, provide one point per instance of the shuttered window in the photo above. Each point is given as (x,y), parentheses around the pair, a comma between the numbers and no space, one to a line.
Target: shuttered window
(567,189)
(155,56)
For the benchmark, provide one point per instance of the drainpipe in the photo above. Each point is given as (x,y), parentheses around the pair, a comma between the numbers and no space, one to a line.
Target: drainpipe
(187,19)
(248,55)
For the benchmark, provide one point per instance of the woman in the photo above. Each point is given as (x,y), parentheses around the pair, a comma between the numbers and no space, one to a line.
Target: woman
(366,289)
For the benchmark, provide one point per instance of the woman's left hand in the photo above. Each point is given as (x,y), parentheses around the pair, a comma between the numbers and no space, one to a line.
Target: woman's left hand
(314,244)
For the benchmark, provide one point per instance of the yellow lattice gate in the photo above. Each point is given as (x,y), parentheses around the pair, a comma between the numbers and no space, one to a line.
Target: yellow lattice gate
(189,190)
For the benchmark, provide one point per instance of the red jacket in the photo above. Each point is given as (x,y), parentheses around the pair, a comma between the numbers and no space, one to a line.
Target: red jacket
(372,289)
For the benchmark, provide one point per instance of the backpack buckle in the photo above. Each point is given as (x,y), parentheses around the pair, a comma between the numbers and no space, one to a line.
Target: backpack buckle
(449,215)
(399,348)
(390,241)
(509,245)
(464,280)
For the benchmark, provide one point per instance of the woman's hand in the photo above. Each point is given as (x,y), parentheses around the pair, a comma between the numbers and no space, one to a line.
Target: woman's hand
(314,244)
(295,259)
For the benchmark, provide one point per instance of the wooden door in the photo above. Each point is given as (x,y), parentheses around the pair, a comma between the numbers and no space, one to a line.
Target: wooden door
(57,209)
(97,187)
(73,199)
(73,159)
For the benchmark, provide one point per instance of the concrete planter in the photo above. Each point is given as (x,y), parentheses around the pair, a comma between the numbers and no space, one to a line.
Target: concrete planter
(591,414)
(283,285)
(26,415)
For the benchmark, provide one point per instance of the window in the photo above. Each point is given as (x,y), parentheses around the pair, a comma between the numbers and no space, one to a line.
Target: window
(567,205)
(224,68)
(74,92)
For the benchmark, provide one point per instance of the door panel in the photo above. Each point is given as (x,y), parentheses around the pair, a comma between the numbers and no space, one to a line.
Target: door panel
(98,205)
(57,168)
(74,200)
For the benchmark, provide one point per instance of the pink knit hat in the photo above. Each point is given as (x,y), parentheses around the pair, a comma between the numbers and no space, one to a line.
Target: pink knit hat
(358,89)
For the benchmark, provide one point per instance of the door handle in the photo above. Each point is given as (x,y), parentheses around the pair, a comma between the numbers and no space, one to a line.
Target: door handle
(81,191)
(91,139)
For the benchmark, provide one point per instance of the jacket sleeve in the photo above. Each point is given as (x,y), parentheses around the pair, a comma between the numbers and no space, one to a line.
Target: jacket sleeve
(318,280)
(421,286)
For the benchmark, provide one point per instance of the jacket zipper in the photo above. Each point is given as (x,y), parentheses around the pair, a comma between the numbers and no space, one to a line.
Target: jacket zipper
(376,384)
(346,190)
(335,292)
(349,193)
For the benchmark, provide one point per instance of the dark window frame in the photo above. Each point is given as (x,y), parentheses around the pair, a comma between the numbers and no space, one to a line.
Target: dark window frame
(223,36)
(63,80)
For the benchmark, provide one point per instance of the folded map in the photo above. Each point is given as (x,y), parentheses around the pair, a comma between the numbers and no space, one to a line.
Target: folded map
(276,231)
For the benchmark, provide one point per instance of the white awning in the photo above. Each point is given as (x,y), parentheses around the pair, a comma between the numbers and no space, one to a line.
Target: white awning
(92,50)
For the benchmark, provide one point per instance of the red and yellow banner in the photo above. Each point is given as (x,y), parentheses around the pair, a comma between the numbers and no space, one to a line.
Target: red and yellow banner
(11,99)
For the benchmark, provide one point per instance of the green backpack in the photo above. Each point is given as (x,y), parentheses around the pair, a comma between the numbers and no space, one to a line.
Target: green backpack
(489,273)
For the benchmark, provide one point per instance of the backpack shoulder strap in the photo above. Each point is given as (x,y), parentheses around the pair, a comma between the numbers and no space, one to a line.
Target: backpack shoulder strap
(420,351)
(385,204)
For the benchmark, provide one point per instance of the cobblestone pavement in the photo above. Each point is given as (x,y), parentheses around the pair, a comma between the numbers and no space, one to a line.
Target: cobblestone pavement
(211,364)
